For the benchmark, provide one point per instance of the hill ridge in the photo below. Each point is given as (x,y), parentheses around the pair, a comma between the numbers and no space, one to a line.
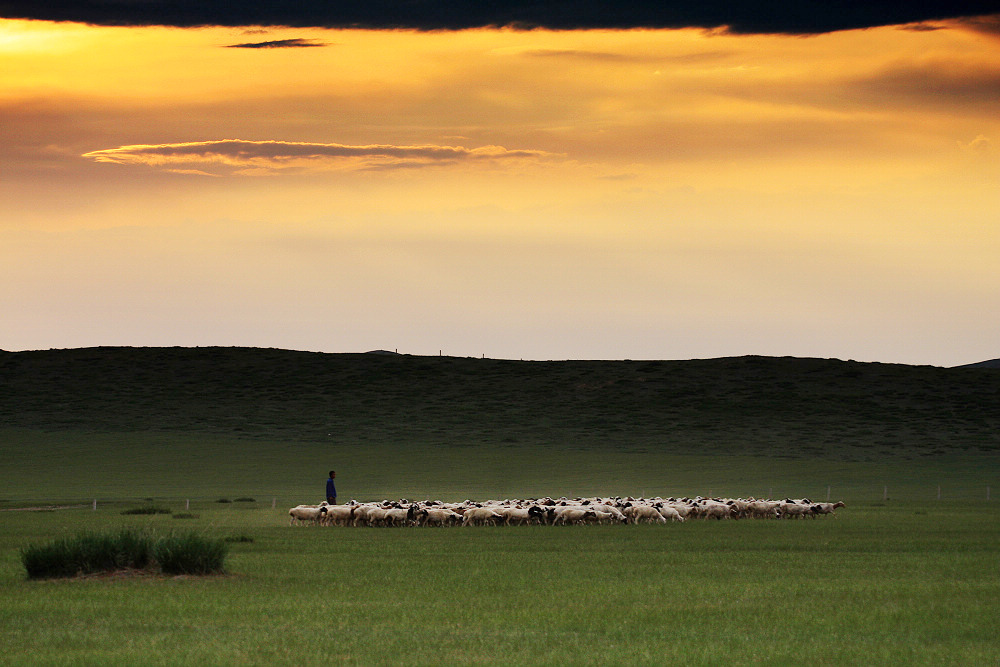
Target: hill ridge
(753,404)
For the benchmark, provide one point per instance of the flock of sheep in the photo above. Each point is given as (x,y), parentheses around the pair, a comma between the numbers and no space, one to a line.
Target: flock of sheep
(554,511)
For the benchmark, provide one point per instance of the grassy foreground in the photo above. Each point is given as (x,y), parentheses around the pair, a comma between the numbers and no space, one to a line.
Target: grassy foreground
(881,584)
(911,580)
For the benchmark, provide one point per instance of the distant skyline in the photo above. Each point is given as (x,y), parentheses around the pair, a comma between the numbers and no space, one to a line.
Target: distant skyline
(524,194)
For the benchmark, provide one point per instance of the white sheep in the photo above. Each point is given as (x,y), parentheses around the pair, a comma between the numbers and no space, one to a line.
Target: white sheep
(573,515)
(480,516)
(398,516)
(520,516)
(671,514)
(793,510)
(338,515)
(303,513)
(827,508)
(637,513)
(437,517)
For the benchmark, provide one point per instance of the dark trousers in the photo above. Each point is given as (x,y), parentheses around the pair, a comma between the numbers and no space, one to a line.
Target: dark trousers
(331,500)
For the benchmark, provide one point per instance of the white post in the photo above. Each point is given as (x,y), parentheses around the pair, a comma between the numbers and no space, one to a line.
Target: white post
(187,504)
(828,493)
(274,503)
(95,501)
(939,492)
(885,492)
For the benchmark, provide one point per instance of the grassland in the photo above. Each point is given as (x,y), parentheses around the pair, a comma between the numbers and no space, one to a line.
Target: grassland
(894,585)
(908,580)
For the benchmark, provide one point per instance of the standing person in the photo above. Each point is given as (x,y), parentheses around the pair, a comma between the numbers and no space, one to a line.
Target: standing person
(331,489)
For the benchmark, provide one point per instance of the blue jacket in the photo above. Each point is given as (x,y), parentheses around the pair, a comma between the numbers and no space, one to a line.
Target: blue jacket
(331,490)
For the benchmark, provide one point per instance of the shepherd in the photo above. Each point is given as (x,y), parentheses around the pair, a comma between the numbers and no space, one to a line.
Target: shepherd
(331,489)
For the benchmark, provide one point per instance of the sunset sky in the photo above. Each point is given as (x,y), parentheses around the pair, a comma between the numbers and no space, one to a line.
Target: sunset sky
(527,194)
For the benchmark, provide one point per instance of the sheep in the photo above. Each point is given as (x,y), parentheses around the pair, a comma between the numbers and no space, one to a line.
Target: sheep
(338,515)
(437,517)
(827,508)
(304,513)
(375,516)
(600,516)
(671,514)
(793,510)
(714,510)
(574,515)
(480,516)
(616,514)
(763,509)
(637,513)
(397,516)
(520,516)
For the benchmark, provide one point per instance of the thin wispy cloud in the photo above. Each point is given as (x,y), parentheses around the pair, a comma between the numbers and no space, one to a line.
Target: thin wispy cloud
(279,44)
(235,156)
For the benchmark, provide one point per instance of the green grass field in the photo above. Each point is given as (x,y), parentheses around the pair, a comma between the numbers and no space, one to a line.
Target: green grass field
(900,581)
(891,584)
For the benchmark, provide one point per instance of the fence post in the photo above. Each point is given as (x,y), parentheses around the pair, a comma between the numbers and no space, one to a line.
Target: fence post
(885,492)
(95,502)
(828,493)
(939,492)
(187,504)
(274,503)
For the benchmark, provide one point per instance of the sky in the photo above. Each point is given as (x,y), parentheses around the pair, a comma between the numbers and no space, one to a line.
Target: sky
(774,187)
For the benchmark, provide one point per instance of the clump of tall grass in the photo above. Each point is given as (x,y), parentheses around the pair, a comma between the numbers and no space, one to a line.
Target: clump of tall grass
(190,553)
(126,549)
(89,552)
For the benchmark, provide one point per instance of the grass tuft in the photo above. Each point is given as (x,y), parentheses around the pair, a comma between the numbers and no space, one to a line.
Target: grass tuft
(88,553)
(190,553)
(149,509)
(126,549)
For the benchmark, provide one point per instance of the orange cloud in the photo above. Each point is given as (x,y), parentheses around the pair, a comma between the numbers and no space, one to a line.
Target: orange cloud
(237,156)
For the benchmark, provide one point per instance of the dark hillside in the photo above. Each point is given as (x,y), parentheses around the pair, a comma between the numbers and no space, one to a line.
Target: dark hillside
(780,406)
(992,363)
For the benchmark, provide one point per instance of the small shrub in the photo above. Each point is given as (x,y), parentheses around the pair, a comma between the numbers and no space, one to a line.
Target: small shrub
(190,553)
(223,500)
(244,500)
(238,538)
(150,509)
(185,515)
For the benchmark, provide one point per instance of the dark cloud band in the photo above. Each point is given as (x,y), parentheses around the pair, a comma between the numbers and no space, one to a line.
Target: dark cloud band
(775,16)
